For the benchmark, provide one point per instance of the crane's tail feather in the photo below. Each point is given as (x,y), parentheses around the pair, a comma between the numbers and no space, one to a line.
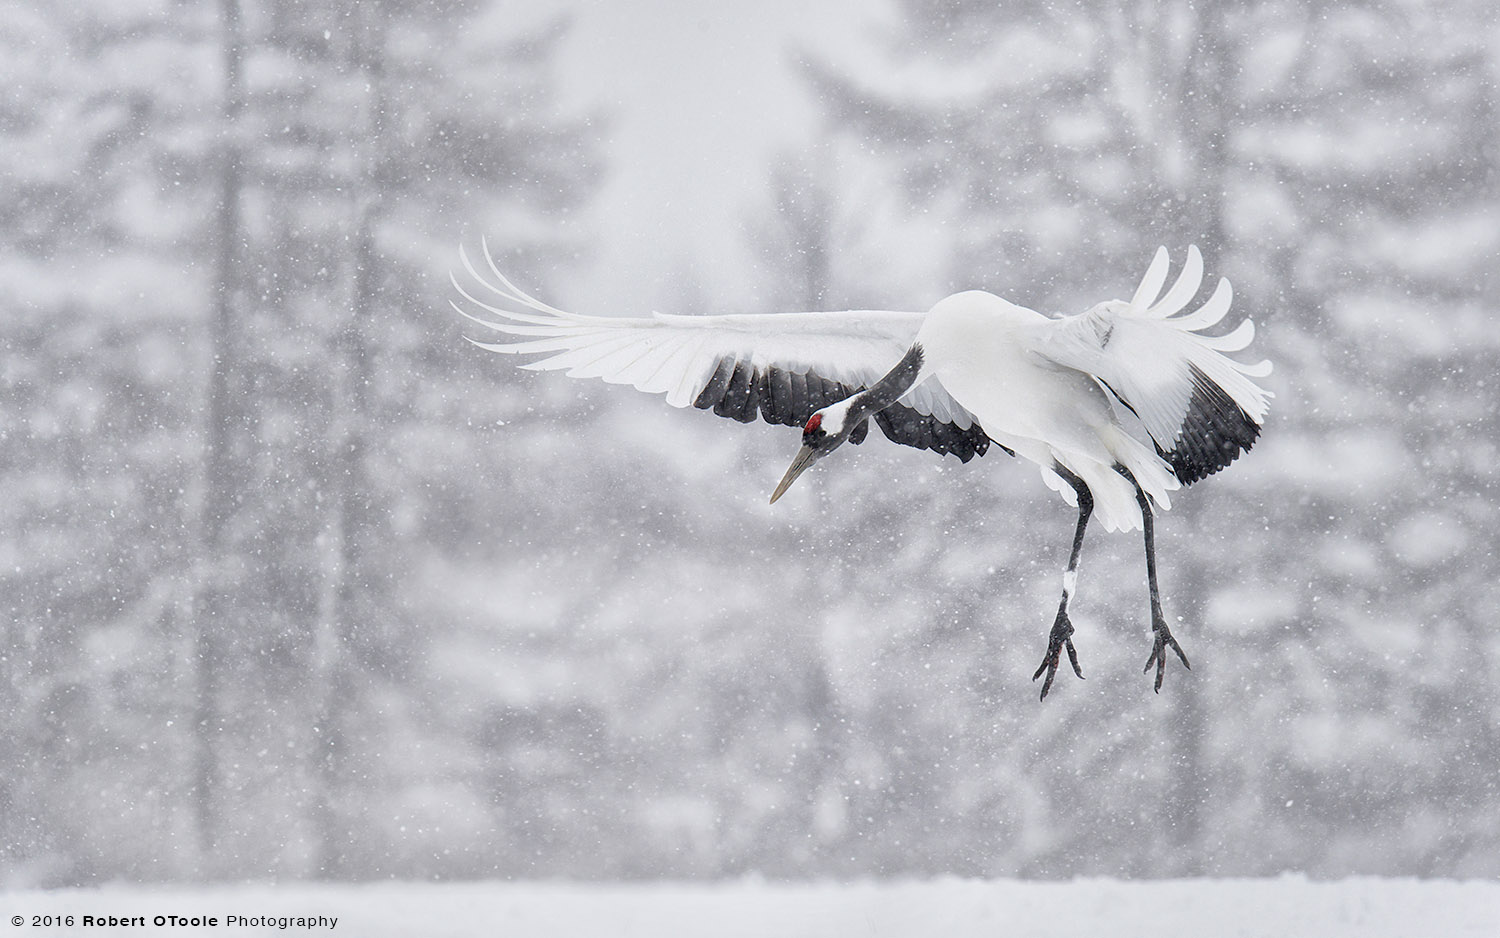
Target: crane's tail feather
(1115,505)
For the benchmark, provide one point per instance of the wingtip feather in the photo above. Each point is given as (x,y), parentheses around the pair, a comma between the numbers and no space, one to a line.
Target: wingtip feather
(1189,279)
(1151,284)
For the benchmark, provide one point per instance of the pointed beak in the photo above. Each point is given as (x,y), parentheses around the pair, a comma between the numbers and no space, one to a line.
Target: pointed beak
(805,457)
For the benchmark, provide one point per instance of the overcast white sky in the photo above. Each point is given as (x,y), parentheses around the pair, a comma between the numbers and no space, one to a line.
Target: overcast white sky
(699,96)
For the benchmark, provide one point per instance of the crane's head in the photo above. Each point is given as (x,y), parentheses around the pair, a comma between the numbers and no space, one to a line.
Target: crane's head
(824,432)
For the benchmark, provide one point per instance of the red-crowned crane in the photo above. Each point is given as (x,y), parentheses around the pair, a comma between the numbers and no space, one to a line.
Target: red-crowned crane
(1118,406)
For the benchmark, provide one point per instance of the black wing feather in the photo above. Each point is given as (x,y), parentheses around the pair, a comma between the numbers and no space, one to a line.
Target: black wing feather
(779,400)
(1214,433)
(713,391)
(902,424)
(742,392)
(731,403)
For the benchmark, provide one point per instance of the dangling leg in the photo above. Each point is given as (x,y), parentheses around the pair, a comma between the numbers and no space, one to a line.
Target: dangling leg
(1163,635)
(1062,629)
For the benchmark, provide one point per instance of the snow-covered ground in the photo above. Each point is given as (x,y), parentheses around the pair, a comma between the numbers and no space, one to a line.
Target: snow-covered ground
(1287,907)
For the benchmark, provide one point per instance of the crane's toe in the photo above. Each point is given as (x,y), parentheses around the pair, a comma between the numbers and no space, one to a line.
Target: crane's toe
(1061,638)
(1164,640)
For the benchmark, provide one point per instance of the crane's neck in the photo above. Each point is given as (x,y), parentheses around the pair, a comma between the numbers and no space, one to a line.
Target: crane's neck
(889,389)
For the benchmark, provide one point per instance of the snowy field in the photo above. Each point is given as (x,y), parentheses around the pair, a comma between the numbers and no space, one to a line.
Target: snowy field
(1288,907)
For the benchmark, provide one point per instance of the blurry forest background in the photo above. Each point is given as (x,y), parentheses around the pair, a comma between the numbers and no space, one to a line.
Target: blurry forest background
(298,584)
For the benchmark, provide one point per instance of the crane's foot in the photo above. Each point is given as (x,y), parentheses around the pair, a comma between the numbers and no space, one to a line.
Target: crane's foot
(1164,640)
(1061,637)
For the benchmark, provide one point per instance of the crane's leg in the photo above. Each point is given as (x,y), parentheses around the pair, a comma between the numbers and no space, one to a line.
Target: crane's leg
(1062,629)
(1163,635)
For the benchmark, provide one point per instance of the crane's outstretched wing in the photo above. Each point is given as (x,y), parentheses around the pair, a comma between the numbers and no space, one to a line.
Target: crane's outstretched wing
(1200,407)
(781,367)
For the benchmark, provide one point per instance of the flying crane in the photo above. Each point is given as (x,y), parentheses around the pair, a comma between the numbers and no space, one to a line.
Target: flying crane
(1118,406)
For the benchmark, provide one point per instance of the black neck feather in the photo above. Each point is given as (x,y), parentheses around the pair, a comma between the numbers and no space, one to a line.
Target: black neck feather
(889,389)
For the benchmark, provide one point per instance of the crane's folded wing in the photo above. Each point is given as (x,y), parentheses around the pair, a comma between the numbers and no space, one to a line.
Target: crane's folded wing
(1199,406)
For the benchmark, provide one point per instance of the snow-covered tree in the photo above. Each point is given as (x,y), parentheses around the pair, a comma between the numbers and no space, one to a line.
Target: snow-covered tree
(1331,160)
(219,343)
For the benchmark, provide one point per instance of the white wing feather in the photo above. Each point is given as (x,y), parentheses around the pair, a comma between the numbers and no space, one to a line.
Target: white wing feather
(1145,354)
(677,355)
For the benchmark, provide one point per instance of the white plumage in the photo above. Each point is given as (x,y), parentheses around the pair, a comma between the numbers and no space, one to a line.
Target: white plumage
(1044,387)
(1145,351)
(676,355)
(1118,406)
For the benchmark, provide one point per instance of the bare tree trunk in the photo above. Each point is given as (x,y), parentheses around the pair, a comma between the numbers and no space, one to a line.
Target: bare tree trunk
(221,496)
(350,510)
(1209,75)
